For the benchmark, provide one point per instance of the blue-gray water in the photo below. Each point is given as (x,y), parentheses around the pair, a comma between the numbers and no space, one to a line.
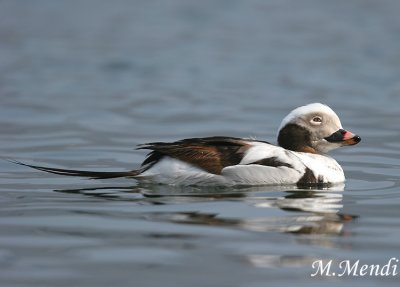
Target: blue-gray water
(83,82)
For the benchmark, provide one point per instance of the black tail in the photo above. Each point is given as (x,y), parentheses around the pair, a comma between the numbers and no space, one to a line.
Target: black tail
(82,173)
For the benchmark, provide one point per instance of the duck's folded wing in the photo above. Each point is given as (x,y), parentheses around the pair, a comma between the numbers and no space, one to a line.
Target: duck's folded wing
(210,154)
(262,175)
(266,164)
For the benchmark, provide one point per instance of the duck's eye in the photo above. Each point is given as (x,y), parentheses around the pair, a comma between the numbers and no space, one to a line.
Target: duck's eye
(316,120)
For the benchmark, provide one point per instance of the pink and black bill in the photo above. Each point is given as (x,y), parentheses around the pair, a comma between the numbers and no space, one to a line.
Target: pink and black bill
(343,137)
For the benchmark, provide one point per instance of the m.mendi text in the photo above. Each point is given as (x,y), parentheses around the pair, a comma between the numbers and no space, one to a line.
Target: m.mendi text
(353,268)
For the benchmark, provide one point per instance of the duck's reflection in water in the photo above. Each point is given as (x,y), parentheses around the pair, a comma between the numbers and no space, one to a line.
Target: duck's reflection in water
(309,212)
(313,216)
(302,211)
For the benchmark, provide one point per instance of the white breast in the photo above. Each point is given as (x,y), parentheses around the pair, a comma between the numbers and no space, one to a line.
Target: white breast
(324,167)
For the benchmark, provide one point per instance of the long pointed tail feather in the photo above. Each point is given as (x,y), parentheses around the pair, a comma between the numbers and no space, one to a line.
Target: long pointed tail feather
(81,173)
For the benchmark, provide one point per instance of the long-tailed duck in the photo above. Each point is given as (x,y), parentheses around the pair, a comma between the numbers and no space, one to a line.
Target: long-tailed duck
(305,135)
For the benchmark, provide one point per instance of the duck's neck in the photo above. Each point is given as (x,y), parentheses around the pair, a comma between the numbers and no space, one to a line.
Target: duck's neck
(296,138)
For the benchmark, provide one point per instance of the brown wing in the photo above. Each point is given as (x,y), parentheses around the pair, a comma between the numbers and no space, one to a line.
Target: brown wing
(211,154)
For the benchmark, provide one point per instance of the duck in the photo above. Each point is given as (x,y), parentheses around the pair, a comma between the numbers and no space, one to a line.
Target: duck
(304,138)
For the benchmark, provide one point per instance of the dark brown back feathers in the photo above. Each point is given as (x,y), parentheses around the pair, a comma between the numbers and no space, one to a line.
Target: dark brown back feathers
(211,154)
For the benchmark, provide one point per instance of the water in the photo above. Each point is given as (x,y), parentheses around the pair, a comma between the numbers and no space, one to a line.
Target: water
(83,82)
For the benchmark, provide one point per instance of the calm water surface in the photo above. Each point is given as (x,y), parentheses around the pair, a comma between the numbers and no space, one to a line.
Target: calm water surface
(82,83)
